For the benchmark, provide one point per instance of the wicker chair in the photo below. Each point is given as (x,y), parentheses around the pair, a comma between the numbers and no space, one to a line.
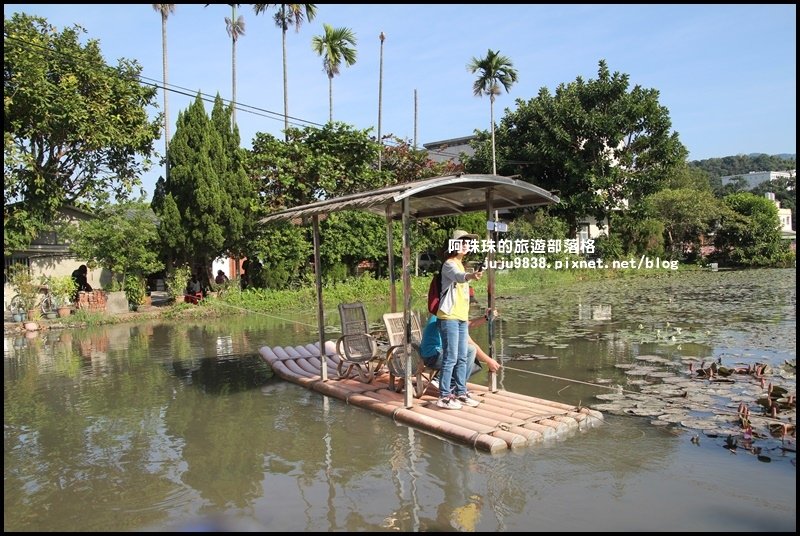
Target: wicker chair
(357,348)
(396,355)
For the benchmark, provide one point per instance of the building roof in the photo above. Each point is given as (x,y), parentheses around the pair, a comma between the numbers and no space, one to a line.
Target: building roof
(430,198)
(450,150)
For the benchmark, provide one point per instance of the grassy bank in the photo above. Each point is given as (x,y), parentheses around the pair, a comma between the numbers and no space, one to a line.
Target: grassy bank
(369,290)
(364,289)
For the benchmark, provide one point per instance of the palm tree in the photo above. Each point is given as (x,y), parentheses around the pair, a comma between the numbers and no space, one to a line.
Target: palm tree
(165,10)
(291,14)
(494,70)
(235,28)
(334,49)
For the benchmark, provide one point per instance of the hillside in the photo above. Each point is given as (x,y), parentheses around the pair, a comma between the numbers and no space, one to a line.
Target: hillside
(743,164)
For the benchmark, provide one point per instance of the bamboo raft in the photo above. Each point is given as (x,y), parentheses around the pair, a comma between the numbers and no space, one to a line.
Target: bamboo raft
(503,421)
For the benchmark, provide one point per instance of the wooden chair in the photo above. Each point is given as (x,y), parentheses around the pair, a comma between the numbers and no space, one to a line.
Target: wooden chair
(357,348)
(396,355)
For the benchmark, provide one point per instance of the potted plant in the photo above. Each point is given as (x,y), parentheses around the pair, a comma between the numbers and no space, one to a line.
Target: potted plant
(26,289)
(63,289)
(135,291)
(32,324)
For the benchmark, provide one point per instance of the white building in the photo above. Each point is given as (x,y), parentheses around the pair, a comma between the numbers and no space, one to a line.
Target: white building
(785,217)
(754,178)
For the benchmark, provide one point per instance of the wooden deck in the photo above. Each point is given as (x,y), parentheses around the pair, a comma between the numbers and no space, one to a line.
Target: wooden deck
(503,421)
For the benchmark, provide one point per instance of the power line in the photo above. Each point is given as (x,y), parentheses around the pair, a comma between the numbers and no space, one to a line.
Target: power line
(206,97)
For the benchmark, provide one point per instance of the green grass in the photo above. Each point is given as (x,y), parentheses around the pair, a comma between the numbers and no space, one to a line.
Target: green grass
(365,289)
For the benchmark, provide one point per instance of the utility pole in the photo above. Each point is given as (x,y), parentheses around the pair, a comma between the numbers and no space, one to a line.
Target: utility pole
(382,37)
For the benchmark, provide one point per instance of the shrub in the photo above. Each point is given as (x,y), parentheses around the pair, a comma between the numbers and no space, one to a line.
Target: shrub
(63,289)
(21,280)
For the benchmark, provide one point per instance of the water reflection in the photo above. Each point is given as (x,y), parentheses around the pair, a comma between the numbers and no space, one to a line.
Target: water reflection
(179,425)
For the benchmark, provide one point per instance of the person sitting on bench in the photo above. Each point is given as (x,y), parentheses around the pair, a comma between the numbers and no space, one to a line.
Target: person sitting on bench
(432,353)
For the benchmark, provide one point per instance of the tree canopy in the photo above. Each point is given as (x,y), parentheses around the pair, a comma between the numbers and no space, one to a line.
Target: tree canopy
(74,127)
(749,233)
(205,205)
(123,239)
(597,142)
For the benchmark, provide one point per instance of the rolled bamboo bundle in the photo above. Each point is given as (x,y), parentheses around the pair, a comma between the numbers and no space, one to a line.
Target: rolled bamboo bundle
(291,352)
(529,414)
(515,425)
(281,353)
(313,348)
(538,405)
(311,354)
(463,419)
(284,372)
(352,393)
(330,347)
(526,398)
(332,374)
(311,370)
(291,364)
(267,354)
(431,424)
(512,439)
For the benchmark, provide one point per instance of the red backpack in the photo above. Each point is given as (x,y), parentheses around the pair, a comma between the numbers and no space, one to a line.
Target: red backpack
(435,293)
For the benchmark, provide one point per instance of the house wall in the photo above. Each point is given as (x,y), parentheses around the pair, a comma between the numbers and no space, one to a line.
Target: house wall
(589,227)
(48,255)
(49,266)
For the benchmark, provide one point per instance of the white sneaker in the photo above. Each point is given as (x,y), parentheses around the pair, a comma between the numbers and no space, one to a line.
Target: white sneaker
(467,400)
(448,403)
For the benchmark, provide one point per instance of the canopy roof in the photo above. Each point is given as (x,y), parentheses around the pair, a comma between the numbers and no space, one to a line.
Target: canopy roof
(429,198)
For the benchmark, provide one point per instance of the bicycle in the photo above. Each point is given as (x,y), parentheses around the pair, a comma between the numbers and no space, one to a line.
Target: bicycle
(47,303)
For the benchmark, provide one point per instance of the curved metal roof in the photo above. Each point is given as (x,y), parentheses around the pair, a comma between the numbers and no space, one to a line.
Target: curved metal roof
(430,198)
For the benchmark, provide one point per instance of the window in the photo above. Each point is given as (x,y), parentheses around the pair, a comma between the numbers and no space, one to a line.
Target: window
(583,232)
(8,262)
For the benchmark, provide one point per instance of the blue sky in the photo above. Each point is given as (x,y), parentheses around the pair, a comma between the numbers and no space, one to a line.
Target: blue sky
(727,73)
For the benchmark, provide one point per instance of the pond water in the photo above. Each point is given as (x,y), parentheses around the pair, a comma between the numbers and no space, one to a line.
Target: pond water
(181,425)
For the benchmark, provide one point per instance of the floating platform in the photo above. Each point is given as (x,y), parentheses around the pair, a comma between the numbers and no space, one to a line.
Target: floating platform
(503,420)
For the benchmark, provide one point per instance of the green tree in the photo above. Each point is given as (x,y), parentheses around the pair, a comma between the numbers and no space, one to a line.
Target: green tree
(239,195)
(736,184)
(405,164)
(316,163)
(289,15)
(122,239)
(749,233)
(686,176)
(285,248)
(205,203)
(351,236)
(687,214)
(75,128)
(494,70)
(165,10)
(596,143)
(334,46)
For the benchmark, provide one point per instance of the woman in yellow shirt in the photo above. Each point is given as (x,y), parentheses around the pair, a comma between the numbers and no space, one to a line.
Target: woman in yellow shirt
(453,318)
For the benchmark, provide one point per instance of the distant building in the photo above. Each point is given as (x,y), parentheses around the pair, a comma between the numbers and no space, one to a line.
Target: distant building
(785,217)
(754,178)
(450,150)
